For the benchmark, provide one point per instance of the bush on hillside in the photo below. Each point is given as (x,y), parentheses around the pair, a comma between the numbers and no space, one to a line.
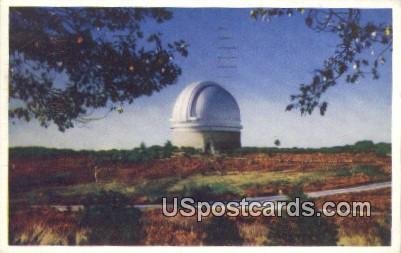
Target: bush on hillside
(302,230)
(110,221)
(209,191)
(222,231)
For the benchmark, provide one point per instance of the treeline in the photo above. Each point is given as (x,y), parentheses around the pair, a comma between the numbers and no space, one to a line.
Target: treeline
(380,148)
(138,154)
(144,153)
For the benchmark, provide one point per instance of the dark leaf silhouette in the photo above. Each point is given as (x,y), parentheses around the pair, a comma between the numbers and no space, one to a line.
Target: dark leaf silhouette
(349,59)
(67,62)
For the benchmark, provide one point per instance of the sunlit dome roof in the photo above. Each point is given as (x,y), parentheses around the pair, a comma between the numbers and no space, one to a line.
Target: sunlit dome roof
(206,106)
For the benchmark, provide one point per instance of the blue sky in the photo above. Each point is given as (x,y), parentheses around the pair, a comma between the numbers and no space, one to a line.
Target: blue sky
(272,59)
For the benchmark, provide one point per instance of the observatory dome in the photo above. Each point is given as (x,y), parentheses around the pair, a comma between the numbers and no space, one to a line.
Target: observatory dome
(206,106)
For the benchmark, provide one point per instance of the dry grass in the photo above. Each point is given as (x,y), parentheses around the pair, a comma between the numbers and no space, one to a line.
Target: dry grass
(49,227)
(234,184)
(45,227)
(251,175)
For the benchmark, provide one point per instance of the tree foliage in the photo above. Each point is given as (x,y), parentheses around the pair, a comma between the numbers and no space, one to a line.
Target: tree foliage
(349,60)
(67,62)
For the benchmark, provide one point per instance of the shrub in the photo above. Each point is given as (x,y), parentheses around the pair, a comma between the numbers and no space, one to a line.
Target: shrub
(364,146)
(383,148)
(296,191)
(110,221)
(199,193)
(368,170)
(301,231)
(383,227)
(188,151)
(222,231)
(168,149)
(343,172)
(62,177)
(209,191)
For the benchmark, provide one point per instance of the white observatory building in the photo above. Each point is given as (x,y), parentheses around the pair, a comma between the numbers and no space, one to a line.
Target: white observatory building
(207,117)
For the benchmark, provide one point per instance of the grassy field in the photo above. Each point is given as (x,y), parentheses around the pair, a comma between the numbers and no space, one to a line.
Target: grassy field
(49,227)
(40,177)
(232,184)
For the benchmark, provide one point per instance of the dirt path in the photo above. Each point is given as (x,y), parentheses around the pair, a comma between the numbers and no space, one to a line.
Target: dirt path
(324,193)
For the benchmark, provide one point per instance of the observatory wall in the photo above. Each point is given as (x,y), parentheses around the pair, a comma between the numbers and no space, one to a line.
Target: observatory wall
(220,140)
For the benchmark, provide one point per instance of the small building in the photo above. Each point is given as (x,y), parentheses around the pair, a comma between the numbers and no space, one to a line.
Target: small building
(206,116)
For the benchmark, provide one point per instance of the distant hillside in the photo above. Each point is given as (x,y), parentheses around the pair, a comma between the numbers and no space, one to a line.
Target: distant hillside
(144,153)
(380,148)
